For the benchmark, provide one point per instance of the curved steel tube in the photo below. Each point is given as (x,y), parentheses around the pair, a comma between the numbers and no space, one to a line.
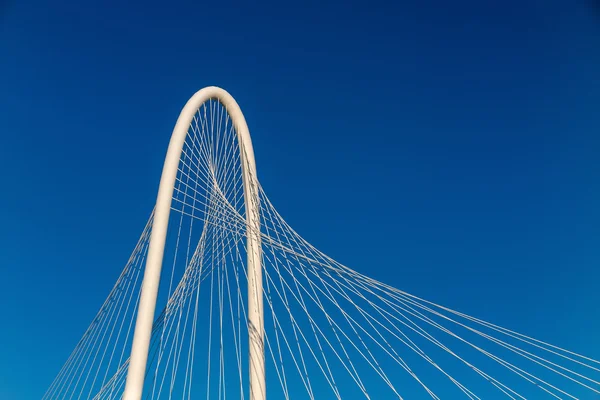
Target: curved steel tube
(145,317)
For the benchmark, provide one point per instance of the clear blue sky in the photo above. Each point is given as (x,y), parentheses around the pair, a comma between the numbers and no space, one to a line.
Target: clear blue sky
(451,150)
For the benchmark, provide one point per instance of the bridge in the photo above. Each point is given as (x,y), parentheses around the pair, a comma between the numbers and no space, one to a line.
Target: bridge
(222,298)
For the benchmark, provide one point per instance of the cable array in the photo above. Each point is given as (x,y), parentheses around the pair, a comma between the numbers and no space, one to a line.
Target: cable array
(330,331)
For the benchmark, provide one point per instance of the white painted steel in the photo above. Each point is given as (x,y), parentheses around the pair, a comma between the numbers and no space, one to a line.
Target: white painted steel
(147,305)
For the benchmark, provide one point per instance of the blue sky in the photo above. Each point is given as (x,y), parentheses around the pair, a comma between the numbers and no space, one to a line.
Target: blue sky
(450,150)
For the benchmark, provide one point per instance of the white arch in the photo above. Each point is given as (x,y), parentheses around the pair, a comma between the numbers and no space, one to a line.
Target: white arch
(147,305)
